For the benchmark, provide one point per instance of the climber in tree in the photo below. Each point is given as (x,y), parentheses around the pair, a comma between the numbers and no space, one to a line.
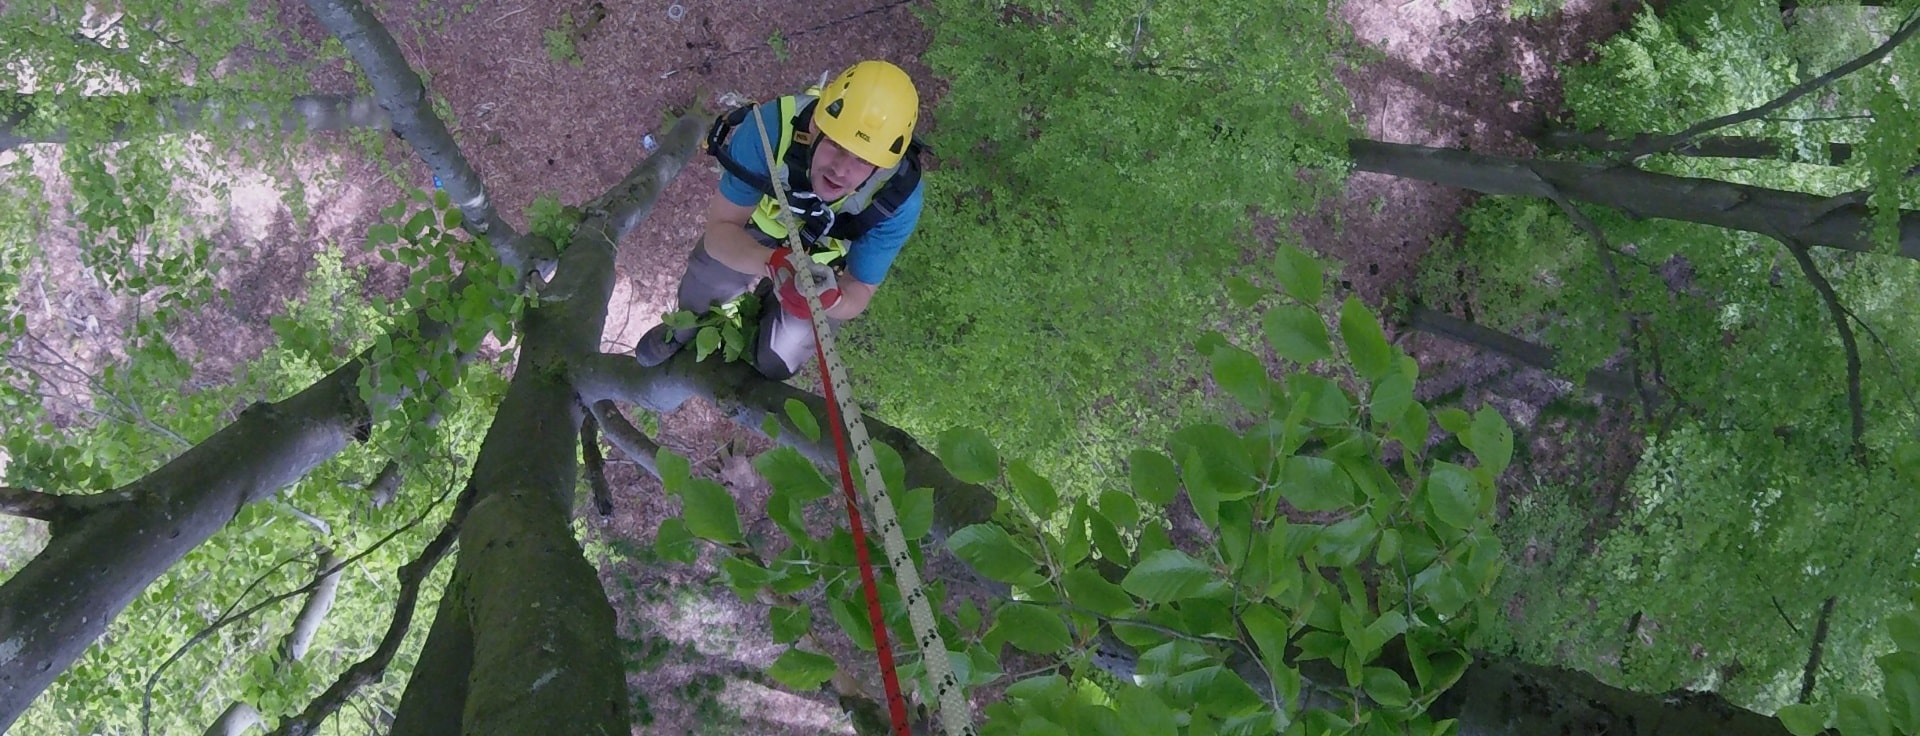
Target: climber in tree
(848,161)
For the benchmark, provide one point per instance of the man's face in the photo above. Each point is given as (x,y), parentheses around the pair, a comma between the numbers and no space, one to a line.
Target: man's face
(835,171)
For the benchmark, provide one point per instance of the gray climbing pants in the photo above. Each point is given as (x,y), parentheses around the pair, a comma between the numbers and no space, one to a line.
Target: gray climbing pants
(782,345)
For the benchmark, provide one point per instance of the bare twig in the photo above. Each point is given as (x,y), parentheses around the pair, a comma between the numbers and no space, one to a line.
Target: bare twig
(1819,643)
(1785,617)
(1605,250)
(373,668)
(146,698)
(595,464)
(1855,402)
(1667,143)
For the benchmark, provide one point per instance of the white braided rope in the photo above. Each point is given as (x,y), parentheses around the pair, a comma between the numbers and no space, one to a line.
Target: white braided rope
(955,714)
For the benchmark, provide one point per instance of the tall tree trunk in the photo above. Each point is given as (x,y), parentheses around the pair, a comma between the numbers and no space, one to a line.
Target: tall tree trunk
(533,634)
(1829,222)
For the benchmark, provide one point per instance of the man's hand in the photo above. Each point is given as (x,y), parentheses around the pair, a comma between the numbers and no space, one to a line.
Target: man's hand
(787,288)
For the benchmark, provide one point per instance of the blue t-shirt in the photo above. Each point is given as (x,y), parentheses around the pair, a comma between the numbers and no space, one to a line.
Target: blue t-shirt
(868,256)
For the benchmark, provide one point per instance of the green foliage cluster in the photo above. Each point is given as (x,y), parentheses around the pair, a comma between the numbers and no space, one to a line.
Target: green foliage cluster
(1097,164)
(1395,552)
(1747,503)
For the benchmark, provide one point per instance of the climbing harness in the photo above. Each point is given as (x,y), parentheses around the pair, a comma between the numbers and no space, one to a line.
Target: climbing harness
(955,714)
(856,213)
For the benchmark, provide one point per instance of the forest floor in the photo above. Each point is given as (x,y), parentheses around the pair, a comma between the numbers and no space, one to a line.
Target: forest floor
(556,97)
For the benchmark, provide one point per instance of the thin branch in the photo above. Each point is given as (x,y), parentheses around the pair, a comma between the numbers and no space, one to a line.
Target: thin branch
(1855,402)
(1784,616)
(311,113)
(385,484)
(1913,403)
(1819,644)
(146,698)
(374,667)
(307,624)
(1605,250)
(596,465)
(636,444)
(1667,143)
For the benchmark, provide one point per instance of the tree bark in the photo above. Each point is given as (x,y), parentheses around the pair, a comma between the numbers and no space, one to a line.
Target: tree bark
(307,624)
(1808,676)
(747,398)
(235,721)
(56,605)
(535,623)
(1827,222)
(1607,383)
(1713,146)
(1508,698)
(403,96)
(315,112)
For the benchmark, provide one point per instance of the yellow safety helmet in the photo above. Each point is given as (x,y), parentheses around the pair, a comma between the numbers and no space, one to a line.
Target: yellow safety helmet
(870,110)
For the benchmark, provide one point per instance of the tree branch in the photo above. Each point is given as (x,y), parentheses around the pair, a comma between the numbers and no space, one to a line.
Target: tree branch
(315,112)
(374,667)
(639,448)
(1808,218)
(1819,643)
(747,398)
(53,508)
(596,465)
(1667,143)
(307,624)
(385,484)
(1855,402)
(404,98)
(1433,322)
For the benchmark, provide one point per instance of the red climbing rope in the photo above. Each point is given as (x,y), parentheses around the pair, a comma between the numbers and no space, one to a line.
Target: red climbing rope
(896,703)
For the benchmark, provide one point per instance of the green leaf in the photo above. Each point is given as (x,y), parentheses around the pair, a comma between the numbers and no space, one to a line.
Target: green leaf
(789,622)
(1106,538)
(1905,627)
(853,618)
(1300,273)
(1077,545)
(1450,495)
(1491,440)
(1154,477)
(1298,334)
(801,670)
(1366,342)
(673,542)
(1453,420)
(1392,396)
(674,469)
(803,420)
(745,577)
(1315,484)
(1387,688)
(1032,628)
(417,224)
(383,233)
(1166,575)
(988,549)
(1087,589)
(709,511)
(452,219)
(1144,710)
(1038,494)
(915,509)
(1225,464)
(705,341)
(1345,543)
(1802,719)
(1120,509)
(1243,293)
(792,474)
(893,470)
(1862,716)
(1902,688)
(1241,375)
(968,454)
